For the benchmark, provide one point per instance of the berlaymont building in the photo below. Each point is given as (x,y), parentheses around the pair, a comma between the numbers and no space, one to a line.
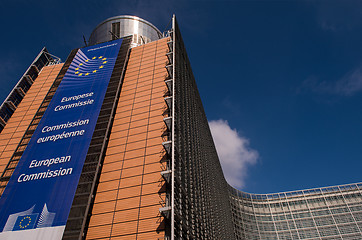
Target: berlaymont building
(113,143)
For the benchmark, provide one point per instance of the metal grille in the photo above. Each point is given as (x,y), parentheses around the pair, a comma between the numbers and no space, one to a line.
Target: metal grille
(201,207)
(76,227)
(10,104)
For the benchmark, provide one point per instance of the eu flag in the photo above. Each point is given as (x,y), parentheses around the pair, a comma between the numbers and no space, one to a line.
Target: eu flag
(25,222)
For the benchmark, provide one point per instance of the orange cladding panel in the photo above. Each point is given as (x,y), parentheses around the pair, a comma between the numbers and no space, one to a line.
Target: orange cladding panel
(127,201)
(15,128)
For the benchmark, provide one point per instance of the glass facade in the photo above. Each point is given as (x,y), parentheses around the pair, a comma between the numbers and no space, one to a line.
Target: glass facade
(320,213)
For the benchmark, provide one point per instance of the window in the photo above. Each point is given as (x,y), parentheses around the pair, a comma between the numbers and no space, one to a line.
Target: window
(116,30)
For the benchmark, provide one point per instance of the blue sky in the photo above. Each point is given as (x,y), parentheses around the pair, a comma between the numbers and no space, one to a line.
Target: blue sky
(282,77)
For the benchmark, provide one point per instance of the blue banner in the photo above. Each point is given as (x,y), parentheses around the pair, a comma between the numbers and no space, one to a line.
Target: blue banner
(39,195)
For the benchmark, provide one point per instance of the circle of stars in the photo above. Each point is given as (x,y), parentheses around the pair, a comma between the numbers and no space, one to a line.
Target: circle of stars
(24,219)
(101,58)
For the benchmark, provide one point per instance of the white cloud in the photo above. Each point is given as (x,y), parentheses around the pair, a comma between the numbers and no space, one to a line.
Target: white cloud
(349,85)
(336,16)
(234,152)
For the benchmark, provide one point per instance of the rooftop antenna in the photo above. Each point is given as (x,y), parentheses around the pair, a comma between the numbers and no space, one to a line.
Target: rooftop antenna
(85,41)
(142,40)
(114,35)
(168,24)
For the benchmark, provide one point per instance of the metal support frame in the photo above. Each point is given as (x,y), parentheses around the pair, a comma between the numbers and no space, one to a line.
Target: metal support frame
(173,36)
(44,58)
(79,216)
(103,149)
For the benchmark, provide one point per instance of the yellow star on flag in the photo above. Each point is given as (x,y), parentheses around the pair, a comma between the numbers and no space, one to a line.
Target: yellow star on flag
(23,221)
(101,65)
